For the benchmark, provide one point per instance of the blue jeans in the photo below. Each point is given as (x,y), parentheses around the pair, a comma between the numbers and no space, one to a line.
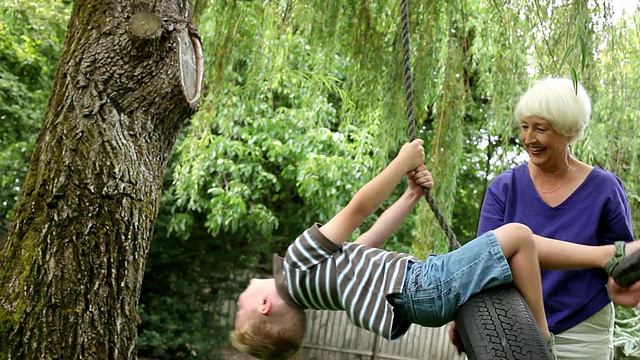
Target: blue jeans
(434,289)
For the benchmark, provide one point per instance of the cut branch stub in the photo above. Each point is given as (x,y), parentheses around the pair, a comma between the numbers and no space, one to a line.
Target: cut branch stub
(145,24)
(191,65)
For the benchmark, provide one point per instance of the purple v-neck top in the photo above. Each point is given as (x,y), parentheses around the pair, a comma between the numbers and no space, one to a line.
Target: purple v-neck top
(597,213)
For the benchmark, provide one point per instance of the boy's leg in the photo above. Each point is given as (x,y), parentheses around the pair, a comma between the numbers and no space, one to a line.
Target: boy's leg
(518,246)
(438,286)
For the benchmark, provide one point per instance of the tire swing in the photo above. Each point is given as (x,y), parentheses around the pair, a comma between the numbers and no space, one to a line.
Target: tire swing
(496,323)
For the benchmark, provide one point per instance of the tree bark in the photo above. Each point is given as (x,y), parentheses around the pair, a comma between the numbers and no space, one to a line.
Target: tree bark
(72,264)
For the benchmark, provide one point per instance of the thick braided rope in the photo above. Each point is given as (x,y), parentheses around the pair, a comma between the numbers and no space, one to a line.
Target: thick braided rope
(408,90)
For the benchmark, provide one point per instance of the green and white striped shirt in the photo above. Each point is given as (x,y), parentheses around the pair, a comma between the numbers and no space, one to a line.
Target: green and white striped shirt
(318,274)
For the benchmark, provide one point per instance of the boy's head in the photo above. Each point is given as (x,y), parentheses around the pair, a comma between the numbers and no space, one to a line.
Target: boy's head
(266,326)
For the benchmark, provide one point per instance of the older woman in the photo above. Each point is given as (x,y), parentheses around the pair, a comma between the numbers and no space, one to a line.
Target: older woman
(561,197)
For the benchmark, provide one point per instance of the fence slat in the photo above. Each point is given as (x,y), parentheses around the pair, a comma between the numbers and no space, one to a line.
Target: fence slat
(343,340)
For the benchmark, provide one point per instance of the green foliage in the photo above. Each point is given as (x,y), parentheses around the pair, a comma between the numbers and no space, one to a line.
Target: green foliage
(305,102)
(31,37)
(271,145)
(627,331)
(183,282)
(266,157)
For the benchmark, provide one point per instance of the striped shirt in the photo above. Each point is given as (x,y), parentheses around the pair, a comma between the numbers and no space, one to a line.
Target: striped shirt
(319,274)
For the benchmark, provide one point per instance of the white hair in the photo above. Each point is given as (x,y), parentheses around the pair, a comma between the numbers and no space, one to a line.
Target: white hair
(556,100)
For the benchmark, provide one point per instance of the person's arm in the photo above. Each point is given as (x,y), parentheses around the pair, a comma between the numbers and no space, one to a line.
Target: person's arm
(629,296)
(373,193)
(393,217)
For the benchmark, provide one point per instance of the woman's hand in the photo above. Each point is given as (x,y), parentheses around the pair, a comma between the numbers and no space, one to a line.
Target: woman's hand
(454,335)
(625,296)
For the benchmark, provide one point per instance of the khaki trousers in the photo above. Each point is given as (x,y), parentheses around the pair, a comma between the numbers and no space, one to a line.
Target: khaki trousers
(592,339)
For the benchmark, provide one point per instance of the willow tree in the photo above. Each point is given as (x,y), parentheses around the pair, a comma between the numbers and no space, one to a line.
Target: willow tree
(471,61)
(129,75)
(306,102)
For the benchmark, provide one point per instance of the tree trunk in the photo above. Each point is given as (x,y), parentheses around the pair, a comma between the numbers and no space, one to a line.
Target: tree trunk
(72,264)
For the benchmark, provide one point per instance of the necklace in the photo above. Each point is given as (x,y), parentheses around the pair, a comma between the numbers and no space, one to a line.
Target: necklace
(557,187)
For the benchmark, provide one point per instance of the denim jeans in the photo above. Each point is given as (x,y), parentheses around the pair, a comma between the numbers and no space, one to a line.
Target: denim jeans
(434,289)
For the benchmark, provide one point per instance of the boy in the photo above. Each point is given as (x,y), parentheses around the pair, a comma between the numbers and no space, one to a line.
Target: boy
(383,291)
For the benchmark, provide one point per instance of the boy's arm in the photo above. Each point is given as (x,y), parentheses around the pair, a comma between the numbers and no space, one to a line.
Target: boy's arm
(373,193)
(393,217)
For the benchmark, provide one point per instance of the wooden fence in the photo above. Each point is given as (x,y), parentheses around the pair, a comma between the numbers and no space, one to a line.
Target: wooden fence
(331,336)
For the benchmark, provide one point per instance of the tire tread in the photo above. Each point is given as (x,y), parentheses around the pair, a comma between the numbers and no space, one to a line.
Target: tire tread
(498,324)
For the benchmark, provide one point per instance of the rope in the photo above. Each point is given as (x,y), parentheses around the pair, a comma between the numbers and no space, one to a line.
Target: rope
(408,90)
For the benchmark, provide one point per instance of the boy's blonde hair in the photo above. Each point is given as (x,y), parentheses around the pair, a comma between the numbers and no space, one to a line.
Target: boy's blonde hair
(274,337)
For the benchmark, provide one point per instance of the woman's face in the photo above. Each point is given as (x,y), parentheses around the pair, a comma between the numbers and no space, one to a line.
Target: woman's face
(544,145)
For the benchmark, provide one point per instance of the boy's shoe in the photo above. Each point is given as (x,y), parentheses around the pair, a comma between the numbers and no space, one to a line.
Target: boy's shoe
(625,269)
(551,343)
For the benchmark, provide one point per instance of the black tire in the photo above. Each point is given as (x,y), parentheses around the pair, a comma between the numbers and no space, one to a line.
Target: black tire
(497,324)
